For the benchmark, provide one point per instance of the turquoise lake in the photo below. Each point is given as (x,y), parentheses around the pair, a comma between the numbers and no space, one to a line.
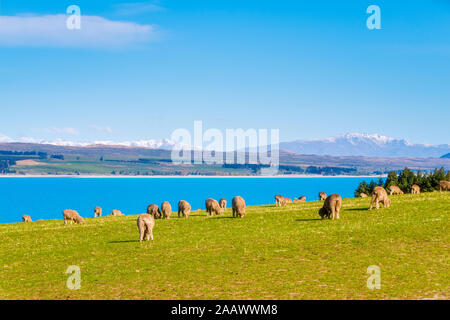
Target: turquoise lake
(46,198)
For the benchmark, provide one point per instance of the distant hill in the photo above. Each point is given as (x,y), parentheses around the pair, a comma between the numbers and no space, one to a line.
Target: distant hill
(42,159)
(368,145)
(446,156)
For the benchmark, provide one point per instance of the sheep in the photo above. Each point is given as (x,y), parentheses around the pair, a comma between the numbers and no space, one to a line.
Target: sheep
(115,213)
(300,199)
(331,207)
(444,185)
(395,190)
(238,205)
(322,195)
(97,212)
(380,195)
(223,203)
(415,189)
(363,195)
(72,216)
(184,208)
(26,218)
(145,224)
(213,206)
(153,210)
(278,200)
(166,210)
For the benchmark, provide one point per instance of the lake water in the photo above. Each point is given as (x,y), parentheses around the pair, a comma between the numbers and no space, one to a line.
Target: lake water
(45,198)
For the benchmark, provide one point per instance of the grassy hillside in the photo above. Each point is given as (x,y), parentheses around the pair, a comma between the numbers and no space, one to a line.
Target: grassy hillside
(273,253)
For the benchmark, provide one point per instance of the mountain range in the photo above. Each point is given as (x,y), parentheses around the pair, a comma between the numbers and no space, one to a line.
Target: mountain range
(351,144)
(368,145)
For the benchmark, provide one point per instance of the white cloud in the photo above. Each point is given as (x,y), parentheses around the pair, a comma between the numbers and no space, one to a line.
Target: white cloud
(136,8)
(52,31)
(4,138)
(101,129)
(66,130)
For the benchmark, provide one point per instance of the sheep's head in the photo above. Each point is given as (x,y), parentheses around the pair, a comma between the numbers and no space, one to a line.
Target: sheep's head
(323,212)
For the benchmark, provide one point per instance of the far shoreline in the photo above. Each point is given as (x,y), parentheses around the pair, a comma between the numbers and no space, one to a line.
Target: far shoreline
(189,176)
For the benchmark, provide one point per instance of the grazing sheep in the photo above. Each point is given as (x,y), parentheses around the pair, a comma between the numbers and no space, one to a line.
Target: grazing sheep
(284,201)
(97,212)
(444,185)
(363,195)
(26,218)
(153,210)
(331,207)
(145,224)
(116,213)
(395,190)
(380,195)
(223,203)
(278,200)
(166,210)
(415,189)
(322,195)
(184,208)
(300,199)
(72,216)
(213,206)
(238,206)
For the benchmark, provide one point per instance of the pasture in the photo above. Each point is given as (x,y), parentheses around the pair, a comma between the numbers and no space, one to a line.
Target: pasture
(272,253)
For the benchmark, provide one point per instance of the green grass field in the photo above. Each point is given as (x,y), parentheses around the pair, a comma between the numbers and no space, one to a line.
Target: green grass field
(273,253)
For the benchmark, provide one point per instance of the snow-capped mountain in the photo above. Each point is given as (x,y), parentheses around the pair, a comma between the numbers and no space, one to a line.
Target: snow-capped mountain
(361,144)
(351,144)
(165,144)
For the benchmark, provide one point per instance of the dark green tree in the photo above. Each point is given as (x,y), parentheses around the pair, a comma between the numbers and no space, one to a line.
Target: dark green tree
(406,179)
(362,188)
(391,180)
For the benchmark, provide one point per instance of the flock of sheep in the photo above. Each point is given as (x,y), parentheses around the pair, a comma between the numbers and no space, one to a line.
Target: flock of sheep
(331,207)
(333,203)
(146,221)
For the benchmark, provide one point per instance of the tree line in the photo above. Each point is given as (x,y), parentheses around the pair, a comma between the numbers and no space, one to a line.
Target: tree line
(428,182)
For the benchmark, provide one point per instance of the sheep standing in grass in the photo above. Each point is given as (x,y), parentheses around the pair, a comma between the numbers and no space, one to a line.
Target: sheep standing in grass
(395,190)
(223,203)
(284,201)
(415,189)
(331,207)
(300,199)
(166,210)
(154,211)
(444,185)
(322,195)
(26,218)
(278,200)
(238,205)
(380,195)
(72,216)
(213,206)
(145,224)
(363,195)
(115,213)
(97,212)
(184,208)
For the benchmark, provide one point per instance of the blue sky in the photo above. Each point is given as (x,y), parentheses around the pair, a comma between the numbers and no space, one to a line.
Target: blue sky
(140,70)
